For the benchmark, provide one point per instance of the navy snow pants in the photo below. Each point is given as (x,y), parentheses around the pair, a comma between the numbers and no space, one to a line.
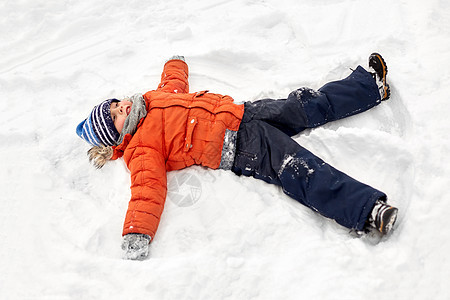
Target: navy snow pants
(265,149)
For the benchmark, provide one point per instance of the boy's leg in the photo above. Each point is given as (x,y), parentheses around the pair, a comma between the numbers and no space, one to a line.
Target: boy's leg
(264,152)
(306,108)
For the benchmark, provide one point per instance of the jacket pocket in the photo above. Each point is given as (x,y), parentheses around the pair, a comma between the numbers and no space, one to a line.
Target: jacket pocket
(192,122)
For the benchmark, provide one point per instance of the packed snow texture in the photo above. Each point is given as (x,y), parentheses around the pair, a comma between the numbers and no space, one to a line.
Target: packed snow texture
(221,236)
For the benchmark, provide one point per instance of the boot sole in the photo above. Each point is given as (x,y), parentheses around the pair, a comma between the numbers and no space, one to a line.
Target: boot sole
(387,90)
(383,64)
(388,220)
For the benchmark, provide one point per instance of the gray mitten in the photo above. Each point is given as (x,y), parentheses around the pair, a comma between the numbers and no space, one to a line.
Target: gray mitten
(136,246)
(179,57)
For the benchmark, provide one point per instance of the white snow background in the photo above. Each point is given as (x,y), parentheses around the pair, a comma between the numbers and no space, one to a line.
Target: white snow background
(221,236)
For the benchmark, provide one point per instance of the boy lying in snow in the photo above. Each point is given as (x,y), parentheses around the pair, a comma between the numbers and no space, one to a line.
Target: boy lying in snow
(170,129)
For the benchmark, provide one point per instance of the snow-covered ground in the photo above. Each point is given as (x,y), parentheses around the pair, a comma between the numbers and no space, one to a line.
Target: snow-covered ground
(221,236)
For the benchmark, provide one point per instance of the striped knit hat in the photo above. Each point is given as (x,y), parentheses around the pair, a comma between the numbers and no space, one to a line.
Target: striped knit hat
(98,129)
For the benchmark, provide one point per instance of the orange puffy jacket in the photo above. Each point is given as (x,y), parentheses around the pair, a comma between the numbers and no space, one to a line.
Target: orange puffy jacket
(181,129)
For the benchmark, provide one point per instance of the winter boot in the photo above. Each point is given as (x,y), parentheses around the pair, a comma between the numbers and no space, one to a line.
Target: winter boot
(378,68)
(383,217)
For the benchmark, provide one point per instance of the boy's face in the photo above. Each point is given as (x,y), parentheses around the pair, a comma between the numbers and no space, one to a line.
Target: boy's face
(119,112)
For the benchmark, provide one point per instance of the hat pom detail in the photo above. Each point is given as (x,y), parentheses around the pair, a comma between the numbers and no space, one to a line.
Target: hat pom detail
(99,155)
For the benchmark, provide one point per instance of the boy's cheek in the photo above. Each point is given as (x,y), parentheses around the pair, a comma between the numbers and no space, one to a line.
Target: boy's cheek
(119,124)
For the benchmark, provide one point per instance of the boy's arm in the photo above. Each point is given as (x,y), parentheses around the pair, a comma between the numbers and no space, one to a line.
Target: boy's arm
(148,192)
(174,78)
